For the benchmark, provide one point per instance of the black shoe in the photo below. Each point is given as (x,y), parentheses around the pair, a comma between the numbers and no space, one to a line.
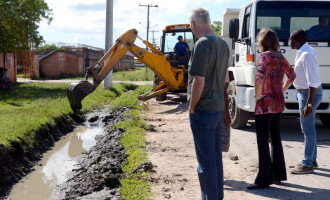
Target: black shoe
(277,182)
(256,187)
(315,165)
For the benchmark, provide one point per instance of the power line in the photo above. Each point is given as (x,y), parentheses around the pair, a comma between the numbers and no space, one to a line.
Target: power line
(149,6)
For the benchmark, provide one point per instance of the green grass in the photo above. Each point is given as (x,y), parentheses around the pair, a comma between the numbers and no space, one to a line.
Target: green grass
(28,106)
(134,186)
(136,74)
(139,74)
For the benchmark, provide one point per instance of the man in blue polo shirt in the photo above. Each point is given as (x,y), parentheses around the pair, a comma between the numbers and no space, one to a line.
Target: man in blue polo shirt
(181,50)
(320,31)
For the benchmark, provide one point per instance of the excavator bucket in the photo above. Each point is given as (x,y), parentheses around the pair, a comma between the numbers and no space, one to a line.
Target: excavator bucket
(76,92)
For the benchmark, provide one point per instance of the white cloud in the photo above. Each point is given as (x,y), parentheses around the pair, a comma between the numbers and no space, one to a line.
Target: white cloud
(83,21)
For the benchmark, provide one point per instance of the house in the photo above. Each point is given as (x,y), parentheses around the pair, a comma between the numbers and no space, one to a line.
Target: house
(69,60)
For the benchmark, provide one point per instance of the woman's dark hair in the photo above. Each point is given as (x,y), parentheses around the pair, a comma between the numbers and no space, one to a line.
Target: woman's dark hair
(267,40)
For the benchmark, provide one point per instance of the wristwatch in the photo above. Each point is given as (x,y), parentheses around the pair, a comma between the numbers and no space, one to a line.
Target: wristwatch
(309,105)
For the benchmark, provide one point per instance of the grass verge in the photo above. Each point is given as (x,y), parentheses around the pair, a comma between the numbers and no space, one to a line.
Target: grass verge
(136,74)
(29,106)
(134,186)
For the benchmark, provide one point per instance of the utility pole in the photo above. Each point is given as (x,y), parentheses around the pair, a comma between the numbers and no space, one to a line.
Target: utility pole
(108,38)
(149,6)
(153,37)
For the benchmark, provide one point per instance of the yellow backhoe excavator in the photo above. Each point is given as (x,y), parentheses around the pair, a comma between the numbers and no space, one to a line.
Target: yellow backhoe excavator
(169,75)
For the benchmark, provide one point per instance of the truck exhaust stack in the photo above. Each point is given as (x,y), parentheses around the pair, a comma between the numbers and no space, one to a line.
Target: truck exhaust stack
(76,92)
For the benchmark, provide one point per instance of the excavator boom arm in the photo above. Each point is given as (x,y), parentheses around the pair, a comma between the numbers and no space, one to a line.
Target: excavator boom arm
(117,51)
(173,79)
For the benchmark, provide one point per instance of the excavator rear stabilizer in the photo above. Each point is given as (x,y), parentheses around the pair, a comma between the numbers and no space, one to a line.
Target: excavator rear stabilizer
(76,92)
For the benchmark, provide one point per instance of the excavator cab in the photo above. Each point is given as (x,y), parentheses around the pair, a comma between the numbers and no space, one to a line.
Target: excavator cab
(169,75)
(169,40)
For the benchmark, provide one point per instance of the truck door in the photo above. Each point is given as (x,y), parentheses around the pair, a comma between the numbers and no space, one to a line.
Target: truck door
(243,48)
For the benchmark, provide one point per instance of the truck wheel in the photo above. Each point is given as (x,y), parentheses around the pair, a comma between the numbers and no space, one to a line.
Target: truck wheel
(325,119)
(238,116)
(161,97)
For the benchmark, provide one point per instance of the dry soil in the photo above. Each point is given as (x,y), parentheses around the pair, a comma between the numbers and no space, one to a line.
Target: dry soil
(171,149)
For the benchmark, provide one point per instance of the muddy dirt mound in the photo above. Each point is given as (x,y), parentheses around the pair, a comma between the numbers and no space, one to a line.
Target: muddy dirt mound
(99,169)
(17,160)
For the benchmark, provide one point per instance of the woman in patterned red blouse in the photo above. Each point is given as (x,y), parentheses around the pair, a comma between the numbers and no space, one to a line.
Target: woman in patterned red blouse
(269,97)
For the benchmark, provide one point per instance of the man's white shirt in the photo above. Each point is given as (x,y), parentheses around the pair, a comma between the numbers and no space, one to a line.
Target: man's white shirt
(307,68)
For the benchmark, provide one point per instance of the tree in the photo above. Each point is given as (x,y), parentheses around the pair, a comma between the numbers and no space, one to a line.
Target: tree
(217,27)
(19,23)
(48,47)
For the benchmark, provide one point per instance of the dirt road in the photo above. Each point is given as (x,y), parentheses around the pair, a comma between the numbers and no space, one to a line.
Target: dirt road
(171,149)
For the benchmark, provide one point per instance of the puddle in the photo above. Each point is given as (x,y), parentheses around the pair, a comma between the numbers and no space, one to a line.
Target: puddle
(55,165)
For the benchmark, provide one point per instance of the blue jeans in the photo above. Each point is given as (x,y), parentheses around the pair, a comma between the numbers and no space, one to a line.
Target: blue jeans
(206,129)
(308,125)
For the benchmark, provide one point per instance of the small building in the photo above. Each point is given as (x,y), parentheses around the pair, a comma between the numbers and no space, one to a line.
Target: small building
(68,60)
(125,63)
(61,62)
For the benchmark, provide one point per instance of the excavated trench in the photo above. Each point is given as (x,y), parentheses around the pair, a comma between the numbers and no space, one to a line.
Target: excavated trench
(83,164)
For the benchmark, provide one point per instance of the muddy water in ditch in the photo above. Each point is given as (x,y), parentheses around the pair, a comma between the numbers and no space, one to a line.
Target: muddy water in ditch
(55,165)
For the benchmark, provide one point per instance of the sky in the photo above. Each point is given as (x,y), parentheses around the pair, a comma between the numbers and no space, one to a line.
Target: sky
(83,21)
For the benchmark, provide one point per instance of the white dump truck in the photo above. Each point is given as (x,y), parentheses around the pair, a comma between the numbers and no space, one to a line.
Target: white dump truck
(240,28)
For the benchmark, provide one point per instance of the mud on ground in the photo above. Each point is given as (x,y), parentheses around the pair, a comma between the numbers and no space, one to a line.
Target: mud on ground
(18,160)
(98,172)
(99,169)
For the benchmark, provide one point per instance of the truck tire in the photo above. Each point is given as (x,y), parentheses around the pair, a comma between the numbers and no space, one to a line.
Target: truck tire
(238,116)
(161,97)
(325,119)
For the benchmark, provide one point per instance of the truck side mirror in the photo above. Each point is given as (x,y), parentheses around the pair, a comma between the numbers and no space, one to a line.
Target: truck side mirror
(233,28)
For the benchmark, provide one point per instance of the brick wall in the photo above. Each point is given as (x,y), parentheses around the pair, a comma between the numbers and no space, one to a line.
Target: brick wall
(61,63)
(35,66)
(10,64)
(126,63)
(91,57)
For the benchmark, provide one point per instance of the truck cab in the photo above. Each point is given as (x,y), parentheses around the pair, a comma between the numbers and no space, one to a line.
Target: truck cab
(240,28)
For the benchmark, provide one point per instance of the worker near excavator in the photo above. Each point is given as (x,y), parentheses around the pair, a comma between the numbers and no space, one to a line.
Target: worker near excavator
(181,51)
(206,78)
(320,31)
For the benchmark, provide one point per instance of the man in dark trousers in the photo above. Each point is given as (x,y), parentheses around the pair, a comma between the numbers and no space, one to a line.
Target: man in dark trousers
(207,73)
